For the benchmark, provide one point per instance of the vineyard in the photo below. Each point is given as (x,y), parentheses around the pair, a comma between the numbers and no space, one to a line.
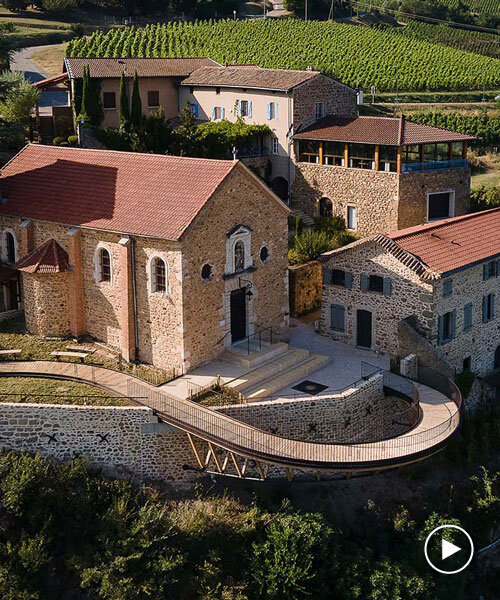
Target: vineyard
(487,44)
(484,127)
(359,56)
(490,7)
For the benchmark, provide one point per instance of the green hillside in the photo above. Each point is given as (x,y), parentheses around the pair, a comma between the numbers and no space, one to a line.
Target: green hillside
(359,56)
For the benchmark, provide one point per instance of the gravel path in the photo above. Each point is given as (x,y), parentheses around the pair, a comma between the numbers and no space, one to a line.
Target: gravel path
(21,61)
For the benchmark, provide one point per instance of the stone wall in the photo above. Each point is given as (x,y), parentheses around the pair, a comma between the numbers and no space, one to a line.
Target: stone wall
(338,99)
(409,296)
(305,287)
(124,441)
(46,303)
(414,187)
(384,201)
(373,193)
(240,200)
(481,341)
(356,415)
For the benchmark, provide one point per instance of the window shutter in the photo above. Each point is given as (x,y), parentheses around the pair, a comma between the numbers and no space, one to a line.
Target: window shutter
(249,108)
(485,272)
(467,316)
(492,306)
(238,108)
(337,317)
(364,282)
(498,268)
(387,286)
(222,112)
(213,113)
(196,109)
(440,329)
(275,110)
(269,110)
(348,280)
(453,323)
(327,278)
(485,308)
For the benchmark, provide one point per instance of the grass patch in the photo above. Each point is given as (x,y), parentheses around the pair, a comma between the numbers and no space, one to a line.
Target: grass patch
(219,396)
(13,335)
(42,391)
(50,60)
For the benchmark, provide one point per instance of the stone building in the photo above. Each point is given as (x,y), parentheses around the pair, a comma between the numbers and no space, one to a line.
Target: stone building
(285,100)
(380,174)
(429,290)
(159,80)
(167,259)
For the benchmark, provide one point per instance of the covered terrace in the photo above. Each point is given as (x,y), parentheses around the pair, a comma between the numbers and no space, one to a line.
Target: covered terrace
(381,144)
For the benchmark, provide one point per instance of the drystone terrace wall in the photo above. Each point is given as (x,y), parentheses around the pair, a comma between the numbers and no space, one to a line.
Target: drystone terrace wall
(357,415)
(123,441)
(305,283)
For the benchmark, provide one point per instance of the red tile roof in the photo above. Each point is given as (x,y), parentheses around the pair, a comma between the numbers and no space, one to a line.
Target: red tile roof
(452,244)
(143,194)
(248,76)
(387,131)
(47,258)
(146,67)
(51,81)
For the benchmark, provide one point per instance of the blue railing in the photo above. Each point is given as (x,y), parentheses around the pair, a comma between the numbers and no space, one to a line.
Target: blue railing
(252,153)
(435,165)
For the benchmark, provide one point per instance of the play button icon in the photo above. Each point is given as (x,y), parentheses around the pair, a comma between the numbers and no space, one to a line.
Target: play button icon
(439,549)
(448,549)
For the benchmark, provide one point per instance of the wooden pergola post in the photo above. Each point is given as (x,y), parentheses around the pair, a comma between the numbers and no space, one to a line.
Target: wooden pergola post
(464,150)
(346,155)
(450,150)
(377,157)
(400,159)
(321,153)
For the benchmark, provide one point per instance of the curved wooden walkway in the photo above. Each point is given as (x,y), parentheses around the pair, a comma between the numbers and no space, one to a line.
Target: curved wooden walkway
(440,418)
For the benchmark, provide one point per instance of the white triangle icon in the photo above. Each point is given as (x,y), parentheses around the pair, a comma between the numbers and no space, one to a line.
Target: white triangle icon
(448,549)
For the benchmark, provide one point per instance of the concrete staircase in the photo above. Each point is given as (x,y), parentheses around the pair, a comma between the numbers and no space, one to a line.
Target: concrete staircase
(271,368)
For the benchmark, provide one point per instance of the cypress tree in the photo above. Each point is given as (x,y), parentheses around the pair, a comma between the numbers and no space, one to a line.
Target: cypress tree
(136,110)
(84,106)
(124,108)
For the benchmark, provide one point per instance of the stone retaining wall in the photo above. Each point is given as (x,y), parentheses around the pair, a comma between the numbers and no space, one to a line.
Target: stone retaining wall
(305,284)
(355,415)
(123,441)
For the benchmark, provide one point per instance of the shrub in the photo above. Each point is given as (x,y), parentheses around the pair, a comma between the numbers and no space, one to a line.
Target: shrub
(57,141)
(484,198)
(330,225)
(464,381)
(311,244)
(73,140)
(64,144)
(298,225)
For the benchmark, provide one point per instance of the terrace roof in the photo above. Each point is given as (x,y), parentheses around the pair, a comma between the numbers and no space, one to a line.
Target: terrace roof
(386,131)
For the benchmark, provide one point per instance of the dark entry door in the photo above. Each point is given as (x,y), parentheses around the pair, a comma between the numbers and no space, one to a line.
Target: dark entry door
(364,328)
(238,316)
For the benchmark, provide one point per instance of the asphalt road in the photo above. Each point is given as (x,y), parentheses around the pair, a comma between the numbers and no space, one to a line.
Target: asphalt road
(21,61)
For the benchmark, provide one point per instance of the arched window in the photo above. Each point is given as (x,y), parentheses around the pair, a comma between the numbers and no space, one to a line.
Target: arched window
(104,265)
(239,256)
(158,275)
(10,247)
(206,272)
(325,207)
(264,254)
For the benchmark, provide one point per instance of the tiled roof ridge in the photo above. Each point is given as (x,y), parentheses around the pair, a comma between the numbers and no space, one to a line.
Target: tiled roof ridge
(123,152)
(418,229)
(406,258)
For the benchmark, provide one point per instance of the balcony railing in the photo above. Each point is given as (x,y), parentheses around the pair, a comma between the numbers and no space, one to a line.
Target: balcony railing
(435,165)
(252,152)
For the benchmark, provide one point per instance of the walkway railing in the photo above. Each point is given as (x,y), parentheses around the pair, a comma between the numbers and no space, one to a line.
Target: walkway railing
(247,441)
(435,165)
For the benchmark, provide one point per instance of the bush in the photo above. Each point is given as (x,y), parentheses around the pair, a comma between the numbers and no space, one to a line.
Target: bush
(330,225)
(57,141)
(464,381)
(73,140)
(64,143)
(311,244)
(484,198)
(7,27)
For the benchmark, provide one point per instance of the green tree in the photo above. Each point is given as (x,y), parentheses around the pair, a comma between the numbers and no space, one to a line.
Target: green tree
(136,116)
(16,5)
(17,97)
(310,244)
(91,110)
(124,104)
(292,560)
(186,139)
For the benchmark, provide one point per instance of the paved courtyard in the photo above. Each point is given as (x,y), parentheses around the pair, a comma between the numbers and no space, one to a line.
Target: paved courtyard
(343,370)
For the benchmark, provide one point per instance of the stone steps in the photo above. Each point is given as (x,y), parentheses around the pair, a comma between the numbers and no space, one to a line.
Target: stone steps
(237,355)
(294,373)
(307,221)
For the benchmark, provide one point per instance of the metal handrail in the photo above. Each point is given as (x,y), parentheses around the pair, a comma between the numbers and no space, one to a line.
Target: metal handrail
(253,443)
